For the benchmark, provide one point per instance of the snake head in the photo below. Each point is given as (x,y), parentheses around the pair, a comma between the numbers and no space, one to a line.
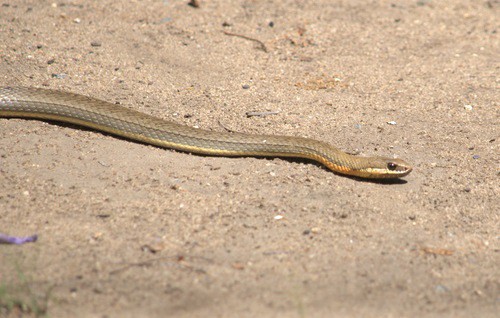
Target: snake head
(385,168)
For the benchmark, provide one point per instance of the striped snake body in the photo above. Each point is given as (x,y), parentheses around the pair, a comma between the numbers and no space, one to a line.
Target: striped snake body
(45,104)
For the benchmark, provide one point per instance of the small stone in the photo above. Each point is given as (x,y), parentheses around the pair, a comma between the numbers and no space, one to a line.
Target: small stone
(278,217)
(467,189)
(95,43)
(441,289)
(59,76)
(194,3)
(154,247)
(165,20)
(239,266)
(468,107)
(476,157)
(246,86)
(392,122)
(51,61)
(77,20)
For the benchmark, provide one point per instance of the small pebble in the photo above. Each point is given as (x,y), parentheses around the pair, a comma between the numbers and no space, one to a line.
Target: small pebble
(278,217)
(95,43)
(441,289)
(239,266)
(77,20)
(246,86)
(59,76)
(51,61)
(476,157)
(194,3)
(468,107)
(391,122)
(467,189)
(165,20)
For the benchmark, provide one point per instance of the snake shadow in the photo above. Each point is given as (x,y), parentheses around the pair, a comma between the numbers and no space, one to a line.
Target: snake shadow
(319,165)
(290,159)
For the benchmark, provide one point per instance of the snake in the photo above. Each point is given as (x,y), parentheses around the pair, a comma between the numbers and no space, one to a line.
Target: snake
(59,106)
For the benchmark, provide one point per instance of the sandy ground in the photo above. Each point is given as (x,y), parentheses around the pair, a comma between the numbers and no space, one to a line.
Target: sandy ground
(129,230)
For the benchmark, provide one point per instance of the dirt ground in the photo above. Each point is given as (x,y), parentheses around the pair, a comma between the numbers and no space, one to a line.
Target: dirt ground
(130,230)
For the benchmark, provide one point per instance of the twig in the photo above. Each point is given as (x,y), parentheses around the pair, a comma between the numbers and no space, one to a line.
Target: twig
(220,124)
(172,260)
(436,251)
(262,45)
(262,114)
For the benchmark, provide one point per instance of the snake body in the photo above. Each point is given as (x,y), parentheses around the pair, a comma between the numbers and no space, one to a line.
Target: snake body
(46,104)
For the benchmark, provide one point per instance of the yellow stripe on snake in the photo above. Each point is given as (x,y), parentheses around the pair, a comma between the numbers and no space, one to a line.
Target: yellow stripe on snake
(45,104)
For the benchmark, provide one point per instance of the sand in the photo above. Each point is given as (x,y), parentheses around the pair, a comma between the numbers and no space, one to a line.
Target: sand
(130,230)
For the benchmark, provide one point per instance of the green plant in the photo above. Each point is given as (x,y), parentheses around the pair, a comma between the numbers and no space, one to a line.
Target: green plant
(17,296)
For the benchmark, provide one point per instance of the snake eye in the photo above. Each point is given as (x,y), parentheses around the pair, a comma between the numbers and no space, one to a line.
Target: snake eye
(391,166)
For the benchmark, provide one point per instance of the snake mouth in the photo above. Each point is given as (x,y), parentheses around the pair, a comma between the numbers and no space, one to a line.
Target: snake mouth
(383,173)
(400,172)
(405,172)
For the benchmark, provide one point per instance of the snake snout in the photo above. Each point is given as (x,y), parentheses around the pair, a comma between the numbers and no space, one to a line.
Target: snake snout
(398,167)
